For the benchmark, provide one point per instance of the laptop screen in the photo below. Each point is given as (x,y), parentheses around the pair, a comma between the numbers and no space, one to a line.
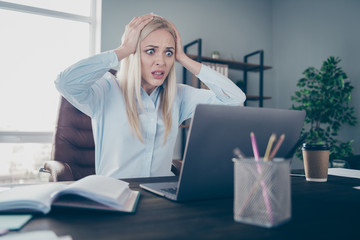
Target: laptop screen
(215,131)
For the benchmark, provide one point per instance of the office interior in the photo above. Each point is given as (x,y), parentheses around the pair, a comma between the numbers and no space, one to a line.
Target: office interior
(294,35)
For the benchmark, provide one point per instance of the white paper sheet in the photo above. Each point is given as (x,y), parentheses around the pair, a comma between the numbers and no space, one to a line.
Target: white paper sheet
(344,172)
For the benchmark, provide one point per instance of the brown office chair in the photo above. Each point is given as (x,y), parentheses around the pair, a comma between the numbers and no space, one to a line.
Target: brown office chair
(73,152)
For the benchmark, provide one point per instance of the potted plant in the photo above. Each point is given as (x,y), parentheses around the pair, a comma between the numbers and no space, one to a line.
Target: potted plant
(215,54)
(325,95)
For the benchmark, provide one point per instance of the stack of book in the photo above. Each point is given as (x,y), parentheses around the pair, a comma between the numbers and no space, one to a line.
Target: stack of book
(221,68)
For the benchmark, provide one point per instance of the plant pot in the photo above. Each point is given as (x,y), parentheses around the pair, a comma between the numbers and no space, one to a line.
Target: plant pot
(316,161)
(215,55)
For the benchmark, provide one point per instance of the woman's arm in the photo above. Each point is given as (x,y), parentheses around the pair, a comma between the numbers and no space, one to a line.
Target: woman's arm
(84,85)
(222,90)
(223,87)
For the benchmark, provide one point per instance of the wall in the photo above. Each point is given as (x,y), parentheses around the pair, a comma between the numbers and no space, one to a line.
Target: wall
(307,32)
(232,27)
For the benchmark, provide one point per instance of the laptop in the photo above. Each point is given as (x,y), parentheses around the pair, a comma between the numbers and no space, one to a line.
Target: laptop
(215,131)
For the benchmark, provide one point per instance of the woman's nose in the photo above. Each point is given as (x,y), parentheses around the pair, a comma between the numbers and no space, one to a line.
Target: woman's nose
(159,60)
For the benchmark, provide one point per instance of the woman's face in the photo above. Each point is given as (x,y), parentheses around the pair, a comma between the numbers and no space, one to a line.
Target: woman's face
(157,58)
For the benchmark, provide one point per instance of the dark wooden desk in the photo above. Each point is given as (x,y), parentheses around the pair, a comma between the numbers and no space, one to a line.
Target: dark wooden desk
(319,211)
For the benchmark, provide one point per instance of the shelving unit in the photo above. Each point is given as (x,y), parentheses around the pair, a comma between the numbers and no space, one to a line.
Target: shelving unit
(245,66)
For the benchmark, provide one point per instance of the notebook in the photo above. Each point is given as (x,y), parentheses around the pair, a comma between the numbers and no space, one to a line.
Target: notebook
(215,130)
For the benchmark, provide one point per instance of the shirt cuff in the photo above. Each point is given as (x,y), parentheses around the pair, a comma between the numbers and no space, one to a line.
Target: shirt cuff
(111,59)
(203,71)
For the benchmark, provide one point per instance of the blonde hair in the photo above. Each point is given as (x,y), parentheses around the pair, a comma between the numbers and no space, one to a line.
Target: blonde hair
(129,78)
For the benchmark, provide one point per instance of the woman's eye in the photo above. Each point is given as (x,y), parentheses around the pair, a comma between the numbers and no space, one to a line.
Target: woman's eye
(169,53)
(150,51)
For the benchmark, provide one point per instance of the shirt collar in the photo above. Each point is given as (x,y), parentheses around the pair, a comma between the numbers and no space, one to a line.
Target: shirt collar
(154,96)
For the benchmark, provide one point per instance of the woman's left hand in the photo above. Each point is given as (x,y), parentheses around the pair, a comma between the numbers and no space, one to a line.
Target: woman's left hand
(181,57)
(179,52)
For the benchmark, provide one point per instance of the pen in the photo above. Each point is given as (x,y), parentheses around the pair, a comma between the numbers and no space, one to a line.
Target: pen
(277,146)
(268,148)
(254,146)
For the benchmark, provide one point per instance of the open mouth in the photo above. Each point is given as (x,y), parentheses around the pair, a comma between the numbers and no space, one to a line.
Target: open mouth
(158,74)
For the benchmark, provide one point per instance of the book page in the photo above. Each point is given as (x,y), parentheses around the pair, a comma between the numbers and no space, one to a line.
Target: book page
(106,190)
(131,201)
(29,197)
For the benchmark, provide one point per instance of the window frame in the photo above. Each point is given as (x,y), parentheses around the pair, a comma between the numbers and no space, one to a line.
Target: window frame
(94,21)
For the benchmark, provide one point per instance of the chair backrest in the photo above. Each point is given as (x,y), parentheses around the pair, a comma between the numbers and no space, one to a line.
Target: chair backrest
(73,141)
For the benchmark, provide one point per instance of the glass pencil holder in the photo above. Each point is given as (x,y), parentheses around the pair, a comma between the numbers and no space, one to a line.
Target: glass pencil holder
(262,194)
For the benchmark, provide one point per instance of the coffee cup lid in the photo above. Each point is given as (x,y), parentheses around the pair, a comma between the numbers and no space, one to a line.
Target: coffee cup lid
(313,147)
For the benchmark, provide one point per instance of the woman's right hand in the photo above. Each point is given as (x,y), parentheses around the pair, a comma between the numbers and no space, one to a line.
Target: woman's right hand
(131,35)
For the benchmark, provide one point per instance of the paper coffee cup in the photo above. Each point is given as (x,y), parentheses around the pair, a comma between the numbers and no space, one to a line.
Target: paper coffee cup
(316,162)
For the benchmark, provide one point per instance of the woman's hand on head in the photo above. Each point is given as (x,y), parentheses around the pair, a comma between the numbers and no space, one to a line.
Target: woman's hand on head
(131,35)
(182,58)
(179,52)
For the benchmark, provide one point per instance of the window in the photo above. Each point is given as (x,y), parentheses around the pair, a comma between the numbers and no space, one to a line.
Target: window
(79,7)
(39,39)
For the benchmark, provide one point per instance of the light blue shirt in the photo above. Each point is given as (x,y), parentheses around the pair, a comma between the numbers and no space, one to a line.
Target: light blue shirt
(118,152)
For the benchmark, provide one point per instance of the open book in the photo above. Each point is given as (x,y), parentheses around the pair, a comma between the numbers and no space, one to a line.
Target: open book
(95,192)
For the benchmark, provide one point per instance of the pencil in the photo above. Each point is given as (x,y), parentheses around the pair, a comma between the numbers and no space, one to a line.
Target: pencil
(277,146)
(238,153)
(269,146)
(263,186)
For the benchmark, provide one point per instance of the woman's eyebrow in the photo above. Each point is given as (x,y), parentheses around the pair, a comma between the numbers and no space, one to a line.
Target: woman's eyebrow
(154,46)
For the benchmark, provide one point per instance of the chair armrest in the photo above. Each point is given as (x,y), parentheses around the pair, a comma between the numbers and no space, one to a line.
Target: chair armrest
(59,171)
(176,166)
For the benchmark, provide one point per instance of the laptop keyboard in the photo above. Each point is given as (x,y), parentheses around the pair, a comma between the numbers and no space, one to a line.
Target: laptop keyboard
(171,190)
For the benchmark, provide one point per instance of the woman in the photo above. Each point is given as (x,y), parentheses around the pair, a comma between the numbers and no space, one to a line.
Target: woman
(135,117)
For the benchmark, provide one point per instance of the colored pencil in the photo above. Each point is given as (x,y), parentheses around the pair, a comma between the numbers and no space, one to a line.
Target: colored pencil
(277,146)
(254,146)
(269,146)
(263,186)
